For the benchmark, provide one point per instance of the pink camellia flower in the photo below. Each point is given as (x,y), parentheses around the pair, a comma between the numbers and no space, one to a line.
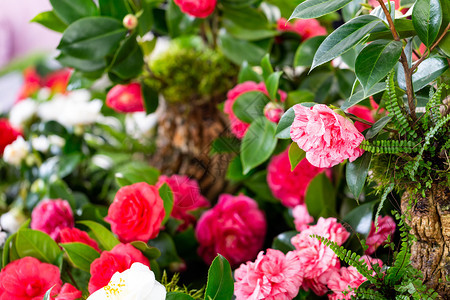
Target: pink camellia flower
(187,198)
(273,276)
(72,235)
(386,226)
(28,279)
(327,137)
(305,28)
(125,98)
(238,127)
(197,8)
(119,259)
(286,185)
(234,228)
(301,217)
(68,292)
(136,213)
(317,259)
(273,112)
(52,216)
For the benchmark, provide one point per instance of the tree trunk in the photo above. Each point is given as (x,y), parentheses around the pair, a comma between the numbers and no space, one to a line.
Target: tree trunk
(185,135)
(430,224)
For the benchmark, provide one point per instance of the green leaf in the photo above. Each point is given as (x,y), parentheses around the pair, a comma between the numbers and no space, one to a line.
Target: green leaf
(225,144)
(379,12)
(427,20)
(316,8)
(113,8)
(305,52)
(237,3)
(257,183)
(248,34)
(68,163)
(320,197)
(250,105)
(247,74)
(151,98)
(81,255)
(239,51)
(47,294)
(272,83)
(295,155)
(83,65)
(135,172)
(376,60)
(37,244)
(428,71)
(169,254)
(356,174)
(178,296)
(128,60)
(377,127)
(266,66)
(9,252)
(69,11)
(282,241)
(220,285)
(167,196)
(50,20)
(361,95)
(92,38)
(284,126)
(105,238)
(78,81)
(248,18)
(258,143)
(178,22)
(344,38)
(148,251)
(360,218)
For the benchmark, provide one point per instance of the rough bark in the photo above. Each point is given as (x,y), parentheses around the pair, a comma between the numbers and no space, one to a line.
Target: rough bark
(185,135)
(430,224)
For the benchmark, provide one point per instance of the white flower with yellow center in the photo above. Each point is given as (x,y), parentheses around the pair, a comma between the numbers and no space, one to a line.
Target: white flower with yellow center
(136,283)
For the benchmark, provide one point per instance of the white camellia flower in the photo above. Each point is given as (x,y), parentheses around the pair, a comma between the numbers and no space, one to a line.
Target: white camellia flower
(136,283)
(140,125)
(40,143)
(22,112)
(16,152)
(12,220)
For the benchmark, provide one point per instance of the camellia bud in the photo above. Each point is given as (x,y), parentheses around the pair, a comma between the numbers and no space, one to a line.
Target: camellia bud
(130,21)
(273,111)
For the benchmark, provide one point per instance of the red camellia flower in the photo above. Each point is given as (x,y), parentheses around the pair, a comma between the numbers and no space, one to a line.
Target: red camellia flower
(51,216)
(56,81)
(235,228)
(119,259)
(7,134)
(69,292)
(72,235)
(28,279)
(125,98)
(197,8)
(136,213)
(31,83)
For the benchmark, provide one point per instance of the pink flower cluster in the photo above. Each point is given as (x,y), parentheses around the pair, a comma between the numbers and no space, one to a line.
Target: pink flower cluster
(273,276)
(327,137)
(305,28)
(386,226)
(52,216)
(286,185)
(238,127)
(187,198)
(235,228)
(301,217)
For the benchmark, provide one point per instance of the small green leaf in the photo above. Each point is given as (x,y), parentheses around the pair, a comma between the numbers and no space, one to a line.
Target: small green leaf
(250,105)
(37,244)
(220,283)
(105,238)
(356,174)
(134,172)
(81,255)
(360,95)
(360,218)
(169,254)
(239,51)
(247,74)
(266,66)
(296,155)
(305,52)
(225,144)
(427,20)
(47,294)
(316,8)
(258,143)
(148,251)
(167,196)
(50,20)
(320,198)
(68,163)
(128,60)
(377,127)
(178,22)
(69,11)
(282,241)
(113,8)
(151,98)
(376,60)
(178,296)
(284,126)
(272,83)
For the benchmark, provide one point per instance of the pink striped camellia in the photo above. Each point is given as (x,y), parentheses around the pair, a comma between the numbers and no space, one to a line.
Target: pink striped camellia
(273,276)
(327,137)
(305,28)
(125,98)
(376,238)
(52,216)
(234,228)
(197,8)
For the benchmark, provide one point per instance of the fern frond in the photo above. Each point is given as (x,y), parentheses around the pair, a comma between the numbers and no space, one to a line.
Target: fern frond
(380,206)
(369,294)
(388,146)
(432,106)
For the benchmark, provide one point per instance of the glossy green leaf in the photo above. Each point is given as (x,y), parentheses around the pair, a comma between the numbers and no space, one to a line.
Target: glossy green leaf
(248,74)
(379,12)
(136,172)
(305,52)
(317,8)
(151,98)
(9,252)
(169,254)
(360,218)
(266,66)
(92,38)
(178,22)
(427,20)
(81,255)
(344,38)
(272,83)
(68,163)
(296,155)
(404,29)
(239,51)
(178,296)
(225,144)
(249,34)
(360,95)
(37,244)
(50,20)
(320,198)
(148,251)
(377,127)
(47,294)
(376,60)
(78,81)
(105,238)
(249,18)
(83,65)
(69,11)
(128,60)
(237,3)
(428,71)
(220,284)
(113,8)
(284,126)
(283,243)
(167,196)
(249,106)
(257,183)
(258,143)
(356,174)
